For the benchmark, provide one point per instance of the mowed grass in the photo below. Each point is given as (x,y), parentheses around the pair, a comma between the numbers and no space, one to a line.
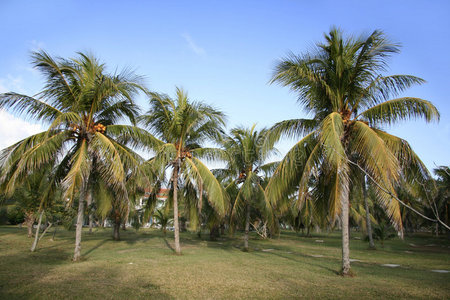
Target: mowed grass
(143,265)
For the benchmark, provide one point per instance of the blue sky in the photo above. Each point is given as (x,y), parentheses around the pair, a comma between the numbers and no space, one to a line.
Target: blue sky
(223,52)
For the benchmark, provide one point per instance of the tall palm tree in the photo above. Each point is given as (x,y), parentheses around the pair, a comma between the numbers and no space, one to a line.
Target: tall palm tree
(82,104)
(183,127)
(341,84)
(248,150)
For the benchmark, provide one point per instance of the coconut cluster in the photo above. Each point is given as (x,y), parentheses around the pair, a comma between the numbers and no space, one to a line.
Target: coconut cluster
(186,153)
(99,128)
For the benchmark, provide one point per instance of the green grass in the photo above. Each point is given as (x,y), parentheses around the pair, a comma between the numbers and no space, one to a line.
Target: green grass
(143,265)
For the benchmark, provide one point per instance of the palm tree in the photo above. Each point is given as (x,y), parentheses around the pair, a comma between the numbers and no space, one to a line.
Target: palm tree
(341,84)
(183,127)
(442,198)
(248,150)
(82,105)
(162,218)
(36,194)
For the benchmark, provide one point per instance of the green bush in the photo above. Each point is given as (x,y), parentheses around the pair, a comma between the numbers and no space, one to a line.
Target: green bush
(15,215)
(3,216)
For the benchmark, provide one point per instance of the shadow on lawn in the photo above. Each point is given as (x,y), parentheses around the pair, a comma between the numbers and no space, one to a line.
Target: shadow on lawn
(101,243)
(299,258)
(84,281)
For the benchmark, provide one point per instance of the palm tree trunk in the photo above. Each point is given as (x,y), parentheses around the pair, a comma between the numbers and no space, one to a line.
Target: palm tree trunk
(366,207)
(125,221)
(45,231)
(29,221)
(91,216)
(116,234)
(175,207)
(79,228)
(54,232)
(36,236)
(345,236)
(247,227)
(214,232)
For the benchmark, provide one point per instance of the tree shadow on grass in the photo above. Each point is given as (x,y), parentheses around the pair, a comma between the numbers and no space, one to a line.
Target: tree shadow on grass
(306,259)
(101,243)
(223,242)
(169,245)
(112,281)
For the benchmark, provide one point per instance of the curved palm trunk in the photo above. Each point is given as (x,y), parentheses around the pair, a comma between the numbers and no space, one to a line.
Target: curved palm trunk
(345,236)
(247,227)
(91,216)
(368,222)
(36,236)
(175,207)
(79,228)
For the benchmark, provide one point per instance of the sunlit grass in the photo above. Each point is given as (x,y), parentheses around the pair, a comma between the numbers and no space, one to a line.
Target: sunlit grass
(143,265)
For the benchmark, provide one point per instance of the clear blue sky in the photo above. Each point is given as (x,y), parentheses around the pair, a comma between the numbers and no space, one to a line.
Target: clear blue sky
(223,52)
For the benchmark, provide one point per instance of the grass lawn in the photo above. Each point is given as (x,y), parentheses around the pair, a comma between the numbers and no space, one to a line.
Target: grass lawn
(143,265)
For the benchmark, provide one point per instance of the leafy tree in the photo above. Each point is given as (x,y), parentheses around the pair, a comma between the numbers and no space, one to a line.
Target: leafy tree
(183,128)
(83,105)
(341,84)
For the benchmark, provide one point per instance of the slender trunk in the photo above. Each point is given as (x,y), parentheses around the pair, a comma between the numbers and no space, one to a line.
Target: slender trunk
(437,229)
(116,234)
(125,221)
(89,205)
(345,236)
(446,220)
(45,231)
(54,232)
(368,222)
(175,207)
(199,208)
(247,227)
(79,228)
(214,233)
(29,221)
(36,236)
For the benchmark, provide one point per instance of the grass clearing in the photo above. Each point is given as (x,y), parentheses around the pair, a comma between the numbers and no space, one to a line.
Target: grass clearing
(143,265)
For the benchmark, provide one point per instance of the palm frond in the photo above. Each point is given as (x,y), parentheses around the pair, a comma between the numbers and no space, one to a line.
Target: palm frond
(400,109)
